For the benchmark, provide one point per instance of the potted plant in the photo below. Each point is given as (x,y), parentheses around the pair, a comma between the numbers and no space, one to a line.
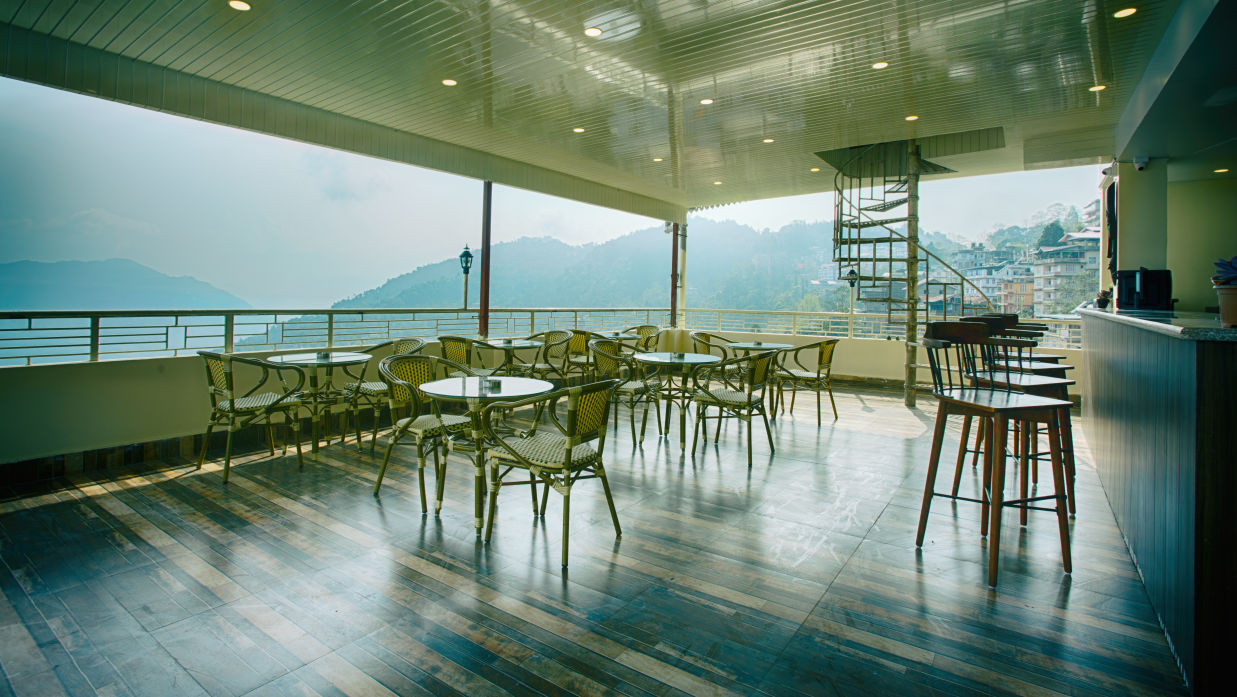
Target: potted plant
(1225,282)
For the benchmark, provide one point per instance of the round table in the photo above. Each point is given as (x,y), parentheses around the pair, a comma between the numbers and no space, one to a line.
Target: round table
(749,346)
(509,347)
(476,392)
(320,396)
(669,365)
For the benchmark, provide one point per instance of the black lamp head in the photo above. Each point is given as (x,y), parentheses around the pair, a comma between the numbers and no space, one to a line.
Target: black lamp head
(852,277)
(465,259)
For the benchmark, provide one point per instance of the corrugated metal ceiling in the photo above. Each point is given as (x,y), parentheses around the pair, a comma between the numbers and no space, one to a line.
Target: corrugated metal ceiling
(797,73)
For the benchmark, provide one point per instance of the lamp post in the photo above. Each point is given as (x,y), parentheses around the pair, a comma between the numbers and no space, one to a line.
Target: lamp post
(465,264)
(851,277)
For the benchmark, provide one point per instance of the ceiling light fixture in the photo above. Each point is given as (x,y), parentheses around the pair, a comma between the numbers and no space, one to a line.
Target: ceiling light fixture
(880,65)
(239,6)
(767,140)
(1098,88)
(657,159)
(449,82)
(717,183)
(1222,170)
(1119,14)
(912,117)
(577,130)
(592,31)
(706,101)
(814,169)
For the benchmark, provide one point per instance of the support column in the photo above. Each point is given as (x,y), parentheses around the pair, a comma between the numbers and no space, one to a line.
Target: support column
(673,229)
(483,308)
(912,271)
(1142,215)
(682,291)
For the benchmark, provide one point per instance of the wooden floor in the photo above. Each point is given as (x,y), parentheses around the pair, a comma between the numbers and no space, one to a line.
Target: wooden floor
(796,577)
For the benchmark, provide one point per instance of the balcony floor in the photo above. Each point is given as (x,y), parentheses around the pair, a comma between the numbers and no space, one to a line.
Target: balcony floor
(796,577)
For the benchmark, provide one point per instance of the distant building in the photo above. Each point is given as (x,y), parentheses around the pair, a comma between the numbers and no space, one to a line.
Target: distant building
(1053,267)
(1016,286)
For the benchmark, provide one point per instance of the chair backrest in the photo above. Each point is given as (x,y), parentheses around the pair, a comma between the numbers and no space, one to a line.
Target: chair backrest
(607,357)
(578,344)
(648,336)
(457,349)
(824,355)
(703,342)
(966,352)
(405,373)
(553,345)
(759,367)
(588,407)
(218,376)
(407,346)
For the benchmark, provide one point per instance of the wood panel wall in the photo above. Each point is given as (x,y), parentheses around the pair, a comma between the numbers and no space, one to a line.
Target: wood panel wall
(1158,418)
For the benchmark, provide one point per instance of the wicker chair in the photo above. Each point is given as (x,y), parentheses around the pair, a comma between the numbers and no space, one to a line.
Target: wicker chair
(462,350)
(404,375)
(578,361)
(648,333)
(359,392)
(636,385)
(736,388)
(807,376)
(272,394)
(550,358)
(556,459)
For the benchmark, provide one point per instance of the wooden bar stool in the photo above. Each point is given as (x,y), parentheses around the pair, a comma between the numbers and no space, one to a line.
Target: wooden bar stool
(961,353)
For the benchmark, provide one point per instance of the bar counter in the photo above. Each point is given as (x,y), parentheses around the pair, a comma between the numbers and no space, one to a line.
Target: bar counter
(1161,422)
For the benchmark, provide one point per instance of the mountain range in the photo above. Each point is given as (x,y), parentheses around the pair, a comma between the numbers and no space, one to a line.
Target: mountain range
(112,284)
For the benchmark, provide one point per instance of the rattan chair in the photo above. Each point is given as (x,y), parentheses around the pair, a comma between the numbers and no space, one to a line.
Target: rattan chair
(578,360)
(648,333)
(636,385)
(557,458)
(462,350)
(736,388)
(806,376)
(404,374)
(276,392)
(548,363)
(359,392)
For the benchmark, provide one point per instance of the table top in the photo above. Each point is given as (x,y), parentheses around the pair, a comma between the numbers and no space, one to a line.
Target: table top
(667,358)
(513,343)
(493,388)
(619,336)
(758,346)
(321,359)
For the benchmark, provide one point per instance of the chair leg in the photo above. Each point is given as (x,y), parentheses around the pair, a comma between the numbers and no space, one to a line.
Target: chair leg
(605,486)
(768,432)
(227,455)
(696,429)
(495,483)
(545,498)
(817,405)
(831,402)
(749,439)
(929,487)
(421,470)
(1058,481)
(1001,434)
(966,436)
(1026,431)
(382,470)
(532,488)
(566,522)
(296,433)
(1067,453)
(990,460)
(270,437)
(440,478)
(205,442)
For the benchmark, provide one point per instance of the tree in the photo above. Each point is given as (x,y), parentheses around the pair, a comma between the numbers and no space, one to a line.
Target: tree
(1076,290)
(1052,234)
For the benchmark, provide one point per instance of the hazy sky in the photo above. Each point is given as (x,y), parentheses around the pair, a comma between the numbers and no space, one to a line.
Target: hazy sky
(288,225)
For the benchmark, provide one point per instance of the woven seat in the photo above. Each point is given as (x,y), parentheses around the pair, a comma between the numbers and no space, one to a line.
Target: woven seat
(800,375)
(237,411)
(404,374)
(739,394)
(613,364)
(557,459)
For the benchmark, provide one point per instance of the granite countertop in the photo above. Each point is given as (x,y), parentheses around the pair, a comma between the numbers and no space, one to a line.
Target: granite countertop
(1194,326)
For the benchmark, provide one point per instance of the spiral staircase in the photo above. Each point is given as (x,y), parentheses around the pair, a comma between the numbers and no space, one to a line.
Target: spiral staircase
(876,242)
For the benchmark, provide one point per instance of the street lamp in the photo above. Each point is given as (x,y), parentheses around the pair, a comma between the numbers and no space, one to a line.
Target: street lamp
(465,264)
(852,277)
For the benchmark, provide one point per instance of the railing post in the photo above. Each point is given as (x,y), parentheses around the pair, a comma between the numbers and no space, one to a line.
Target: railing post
(330,329)
(94,337)
(794,324)
(229,331)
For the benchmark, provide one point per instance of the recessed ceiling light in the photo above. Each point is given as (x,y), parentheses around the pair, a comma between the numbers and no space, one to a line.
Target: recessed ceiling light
(880,65)
(814,169)
(767,140)
(912,117)
(657,159)
(1222,170)
(1124,13)
(717,183)
(592,31)
(577,130)
(238,5)
(706,101)
(1098,88)
(449,82)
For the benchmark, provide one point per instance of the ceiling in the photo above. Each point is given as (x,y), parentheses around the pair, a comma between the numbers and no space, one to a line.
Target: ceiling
(367,75)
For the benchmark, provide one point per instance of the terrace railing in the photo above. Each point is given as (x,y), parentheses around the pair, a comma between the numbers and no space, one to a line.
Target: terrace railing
(28,338)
